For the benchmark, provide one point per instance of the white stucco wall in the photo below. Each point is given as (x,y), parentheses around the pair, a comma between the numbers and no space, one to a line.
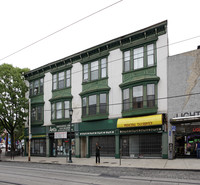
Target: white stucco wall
(47,97)
(76,81)
(114,79)
(162,54)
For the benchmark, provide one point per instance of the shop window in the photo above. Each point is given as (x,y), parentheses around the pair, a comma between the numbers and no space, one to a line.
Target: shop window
(150,95)
(137,97)
(126,101)
(61,80)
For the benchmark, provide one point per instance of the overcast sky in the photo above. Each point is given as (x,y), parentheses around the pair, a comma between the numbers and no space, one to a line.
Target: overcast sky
(23,22)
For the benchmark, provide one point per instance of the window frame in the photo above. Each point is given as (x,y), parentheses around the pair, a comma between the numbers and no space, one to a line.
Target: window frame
(38,113)
(36,90)
(65,79)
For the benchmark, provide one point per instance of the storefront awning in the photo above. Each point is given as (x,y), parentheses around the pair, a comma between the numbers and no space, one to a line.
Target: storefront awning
(140,121)
(185,119)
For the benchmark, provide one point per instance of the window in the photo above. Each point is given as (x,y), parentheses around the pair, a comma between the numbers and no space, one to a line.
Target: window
(127,61)
(150,55)
(85,72)
(36,87)
(138,97)
(84,108)
(60,110)
(138,58)
(103,68)
(66,106)
(62,80)
(92,104)
(126,100)
(95,70)
(36,113)
(95,105)
(103,103)
(150,95)
(138,55)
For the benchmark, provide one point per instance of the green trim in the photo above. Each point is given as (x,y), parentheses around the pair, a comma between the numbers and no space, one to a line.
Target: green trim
(138,112)
(97,56)
(61,94)
(60,121)
(139,42)
(37,123)
(95,117)
(58,99)
(62,68)
(37,99)
(36,77)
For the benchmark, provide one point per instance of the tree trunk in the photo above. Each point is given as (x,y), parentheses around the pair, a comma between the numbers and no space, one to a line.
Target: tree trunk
(12,144)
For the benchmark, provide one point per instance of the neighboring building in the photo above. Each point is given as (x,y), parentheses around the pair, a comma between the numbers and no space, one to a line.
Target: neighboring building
(183,103)
(113,89)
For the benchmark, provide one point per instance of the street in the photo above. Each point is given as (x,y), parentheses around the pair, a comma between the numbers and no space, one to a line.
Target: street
(41,174)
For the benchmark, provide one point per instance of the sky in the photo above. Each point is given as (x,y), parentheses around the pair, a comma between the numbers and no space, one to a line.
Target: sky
(24,22)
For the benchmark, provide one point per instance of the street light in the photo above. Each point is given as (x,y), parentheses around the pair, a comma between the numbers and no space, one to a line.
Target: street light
(70,137)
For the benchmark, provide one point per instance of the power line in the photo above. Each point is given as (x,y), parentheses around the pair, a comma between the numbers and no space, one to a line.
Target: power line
(60,30)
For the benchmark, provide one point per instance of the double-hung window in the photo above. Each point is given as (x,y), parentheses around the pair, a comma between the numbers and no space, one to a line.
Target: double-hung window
(138,97)
(62,80)
(36,113)
(138,58)
(150,55)
(60,110)
(36,87)
(92,105)
(94,70)
(127,61)
(103,104)
(126,99)
(84,106)
(150,95)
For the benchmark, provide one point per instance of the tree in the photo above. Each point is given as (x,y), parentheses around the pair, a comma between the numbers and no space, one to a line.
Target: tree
(13,103)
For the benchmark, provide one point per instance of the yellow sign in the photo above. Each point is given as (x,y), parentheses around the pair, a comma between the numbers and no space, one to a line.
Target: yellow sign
(140,121)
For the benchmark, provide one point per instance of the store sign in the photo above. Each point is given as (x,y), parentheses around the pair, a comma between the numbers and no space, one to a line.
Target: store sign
(140,121)
(187,114)
(97,133)
(60,128)
(144,130)
(196,129)
(60,135)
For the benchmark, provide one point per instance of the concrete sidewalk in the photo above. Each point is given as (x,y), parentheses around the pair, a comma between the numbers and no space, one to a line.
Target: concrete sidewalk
(181,164)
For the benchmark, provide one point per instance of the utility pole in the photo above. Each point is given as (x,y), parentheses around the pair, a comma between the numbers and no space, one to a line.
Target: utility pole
(29,141)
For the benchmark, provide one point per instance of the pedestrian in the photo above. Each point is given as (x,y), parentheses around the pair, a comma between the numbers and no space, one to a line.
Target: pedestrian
(97,153)
(22,151)
(0,153)
(198,149)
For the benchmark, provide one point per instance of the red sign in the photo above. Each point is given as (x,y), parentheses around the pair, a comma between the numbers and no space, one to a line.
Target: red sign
(196,130)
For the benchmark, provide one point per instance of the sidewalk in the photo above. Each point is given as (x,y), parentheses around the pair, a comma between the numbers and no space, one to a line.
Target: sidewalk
(181,164)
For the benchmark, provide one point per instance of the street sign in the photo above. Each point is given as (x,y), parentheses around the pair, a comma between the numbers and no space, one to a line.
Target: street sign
(173,128)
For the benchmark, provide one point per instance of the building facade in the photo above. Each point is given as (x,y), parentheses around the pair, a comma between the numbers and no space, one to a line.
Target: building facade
(183,103)
(115,90)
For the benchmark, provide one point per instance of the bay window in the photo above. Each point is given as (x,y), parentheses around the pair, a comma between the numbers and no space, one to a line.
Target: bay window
(138,97)
(150,95)
(126,101)
(92,104)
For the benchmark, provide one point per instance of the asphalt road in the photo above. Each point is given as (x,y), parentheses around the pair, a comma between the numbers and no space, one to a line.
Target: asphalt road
(14,173)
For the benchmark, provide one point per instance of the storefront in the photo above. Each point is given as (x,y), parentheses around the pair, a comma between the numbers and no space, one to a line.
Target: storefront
(90,133)
(186,133)
(143,136)
(59,141)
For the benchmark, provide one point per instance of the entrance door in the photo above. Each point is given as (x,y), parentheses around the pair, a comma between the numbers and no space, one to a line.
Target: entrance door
(125,145)
(83,147)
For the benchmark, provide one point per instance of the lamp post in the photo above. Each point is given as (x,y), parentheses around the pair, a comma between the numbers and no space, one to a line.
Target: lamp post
(70,137)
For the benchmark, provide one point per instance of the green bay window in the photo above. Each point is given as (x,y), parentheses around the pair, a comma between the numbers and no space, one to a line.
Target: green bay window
(137,97)
(61,80)
(95,70)
(139,57)
(37,113)
(126,100)
(60,110)
(95,106)
(150,95)
(36,87)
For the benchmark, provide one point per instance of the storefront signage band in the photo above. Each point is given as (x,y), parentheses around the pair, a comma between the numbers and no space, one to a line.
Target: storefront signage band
(144,130)
(60,135)
(140,121)
(97,133)
(196,130)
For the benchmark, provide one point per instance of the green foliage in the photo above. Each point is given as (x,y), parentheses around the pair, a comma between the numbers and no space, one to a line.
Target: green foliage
(13,103)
